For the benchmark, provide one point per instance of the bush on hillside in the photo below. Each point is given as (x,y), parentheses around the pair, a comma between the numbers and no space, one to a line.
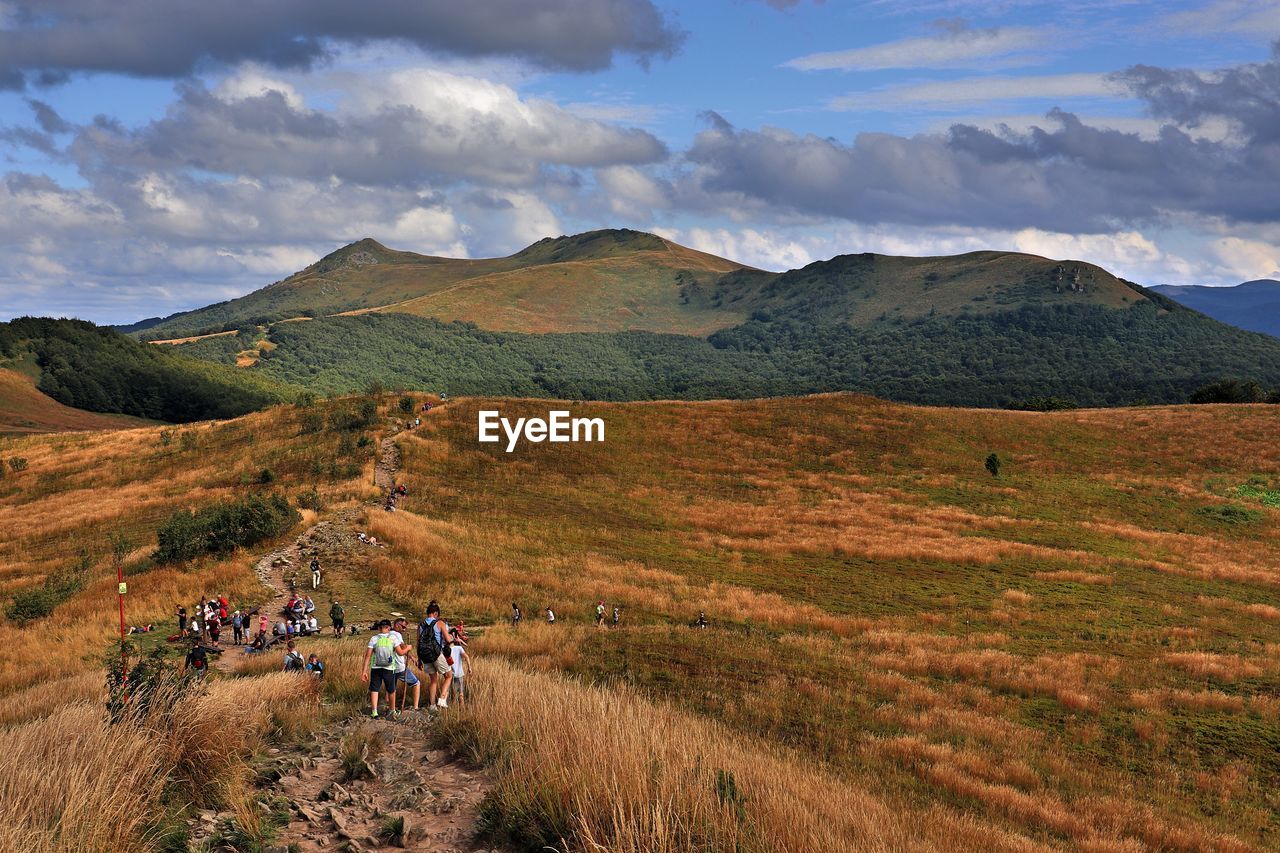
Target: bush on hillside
(39,602)
(1229,391)
(223,527)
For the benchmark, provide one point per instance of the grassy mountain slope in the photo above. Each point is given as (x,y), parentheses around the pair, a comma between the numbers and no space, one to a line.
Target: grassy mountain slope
(23,409)
(598,281)
(98,369)
(861,290)
(1079,654)
(1254,305)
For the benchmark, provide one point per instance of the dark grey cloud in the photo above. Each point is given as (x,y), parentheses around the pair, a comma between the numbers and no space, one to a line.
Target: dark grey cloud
(1068,176)
(41,42)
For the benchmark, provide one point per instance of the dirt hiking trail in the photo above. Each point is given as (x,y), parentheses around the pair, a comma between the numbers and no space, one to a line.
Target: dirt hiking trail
(399,792)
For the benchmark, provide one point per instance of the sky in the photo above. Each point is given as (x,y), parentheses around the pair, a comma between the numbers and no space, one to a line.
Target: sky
(161,155)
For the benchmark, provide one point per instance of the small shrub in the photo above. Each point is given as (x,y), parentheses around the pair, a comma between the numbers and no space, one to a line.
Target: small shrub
(310,499)
(406,404)
(189,440)
(364,441)
(166,437)
(312,422)
(17,463)
(1231,514)
(993,465)
(266,475)
(1229,391)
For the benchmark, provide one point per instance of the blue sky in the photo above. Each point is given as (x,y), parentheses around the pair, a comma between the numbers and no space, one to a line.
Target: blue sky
(162,156)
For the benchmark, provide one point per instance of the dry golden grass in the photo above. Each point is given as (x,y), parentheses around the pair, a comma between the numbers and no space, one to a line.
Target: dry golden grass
(627,775)
(73,781)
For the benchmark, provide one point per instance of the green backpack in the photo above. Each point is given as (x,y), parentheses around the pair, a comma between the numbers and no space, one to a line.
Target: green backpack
(384,652)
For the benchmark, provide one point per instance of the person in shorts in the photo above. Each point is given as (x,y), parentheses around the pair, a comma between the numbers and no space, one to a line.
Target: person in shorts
(380,665)
(461,668)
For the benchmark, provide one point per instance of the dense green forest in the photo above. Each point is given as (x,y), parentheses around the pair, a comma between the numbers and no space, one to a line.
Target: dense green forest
(98,369)
(1077,354)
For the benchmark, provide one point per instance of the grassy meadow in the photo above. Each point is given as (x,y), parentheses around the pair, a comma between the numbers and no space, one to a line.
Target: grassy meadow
(905,651)
(1022,648)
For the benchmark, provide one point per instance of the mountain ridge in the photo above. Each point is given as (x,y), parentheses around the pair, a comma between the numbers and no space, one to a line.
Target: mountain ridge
(1253,305)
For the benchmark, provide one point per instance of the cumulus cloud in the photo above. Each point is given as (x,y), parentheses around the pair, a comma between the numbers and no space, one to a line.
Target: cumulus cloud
(1066,176)
(411,127)
(956,45)
(49,39)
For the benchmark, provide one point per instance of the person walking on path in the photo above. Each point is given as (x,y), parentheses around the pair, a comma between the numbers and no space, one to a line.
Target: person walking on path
(379,667)
(600,615)
(338,616)
(237,628)
(434,656)
(616,615)
(461,668)
(404,674)
(515,615)
(197,662)
(315,572)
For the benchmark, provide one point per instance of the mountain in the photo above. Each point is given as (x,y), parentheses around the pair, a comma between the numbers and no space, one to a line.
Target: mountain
(625,315)
(97,369)
(1254,305)
(609,280)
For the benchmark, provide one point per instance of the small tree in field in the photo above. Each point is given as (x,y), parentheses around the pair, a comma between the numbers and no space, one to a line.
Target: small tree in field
(406,404)
(993,465)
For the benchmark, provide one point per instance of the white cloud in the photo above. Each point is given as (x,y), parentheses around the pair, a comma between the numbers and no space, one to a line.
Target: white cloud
(969,91)
(1247,259)
(957,47)
(1259,19)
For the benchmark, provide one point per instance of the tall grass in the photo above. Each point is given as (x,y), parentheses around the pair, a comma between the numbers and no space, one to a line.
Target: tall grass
(73,781)
(579,766)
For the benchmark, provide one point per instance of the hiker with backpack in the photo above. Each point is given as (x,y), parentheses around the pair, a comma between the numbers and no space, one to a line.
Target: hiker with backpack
(197,662)
(434,656)
(315,572)
(293,661)
(338,616)
(379,668)
(600,614)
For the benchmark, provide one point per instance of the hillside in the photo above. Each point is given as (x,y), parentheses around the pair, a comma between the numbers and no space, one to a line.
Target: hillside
(598,281)
(1083,354)
(940,658)
(23,409)
(88,367)
(1254,305)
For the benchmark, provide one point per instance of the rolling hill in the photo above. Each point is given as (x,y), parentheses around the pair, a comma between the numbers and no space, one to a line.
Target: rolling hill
(97,369)
(1254,305)
(939,658)
(610,280)
(23,409)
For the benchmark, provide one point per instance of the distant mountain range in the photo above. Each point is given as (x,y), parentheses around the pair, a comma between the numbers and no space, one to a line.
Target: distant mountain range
(621,314)
(1254,305)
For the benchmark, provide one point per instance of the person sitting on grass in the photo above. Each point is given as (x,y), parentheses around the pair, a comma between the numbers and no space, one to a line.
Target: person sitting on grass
(379,667)
(315,666)
(293,661)
(259,643)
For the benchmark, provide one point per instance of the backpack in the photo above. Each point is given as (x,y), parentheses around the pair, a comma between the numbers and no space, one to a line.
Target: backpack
(428,645)
(293,661)
(384,652)
(336,612)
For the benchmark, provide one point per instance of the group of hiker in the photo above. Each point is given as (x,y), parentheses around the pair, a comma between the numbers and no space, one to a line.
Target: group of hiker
(393,496)
(441,654)
(614,620)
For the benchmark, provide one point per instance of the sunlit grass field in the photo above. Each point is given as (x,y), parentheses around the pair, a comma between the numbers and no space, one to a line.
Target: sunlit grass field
(1083,651)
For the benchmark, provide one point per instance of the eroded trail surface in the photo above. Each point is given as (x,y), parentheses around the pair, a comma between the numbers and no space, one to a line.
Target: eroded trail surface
(397,792)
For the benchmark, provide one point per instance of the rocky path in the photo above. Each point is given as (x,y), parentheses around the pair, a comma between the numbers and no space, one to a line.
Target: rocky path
(360,784)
